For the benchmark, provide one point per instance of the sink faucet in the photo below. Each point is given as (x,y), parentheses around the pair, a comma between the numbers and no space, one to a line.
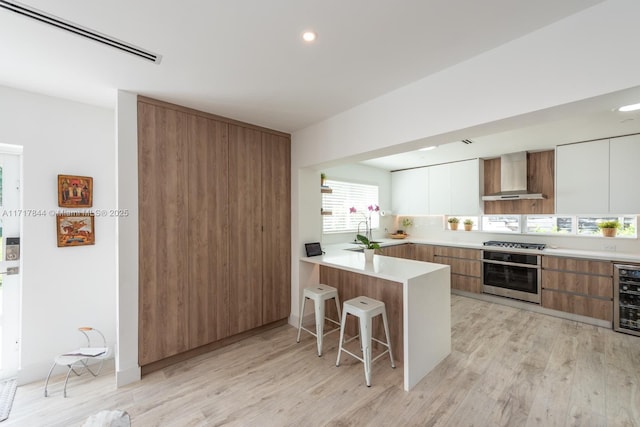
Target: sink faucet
(367,230)
(365,226)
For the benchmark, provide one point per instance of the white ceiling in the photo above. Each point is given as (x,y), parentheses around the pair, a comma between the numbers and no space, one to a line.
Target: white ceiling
(244,59)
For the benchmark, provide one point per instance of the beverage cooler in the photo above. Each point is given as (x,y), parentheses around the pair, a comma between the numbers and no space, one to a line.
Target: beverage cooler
(626,299)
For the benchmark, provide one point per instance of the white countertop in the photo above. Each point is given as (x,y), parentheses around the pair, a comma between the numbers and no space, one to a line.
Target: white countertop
(564,252)
(384,267)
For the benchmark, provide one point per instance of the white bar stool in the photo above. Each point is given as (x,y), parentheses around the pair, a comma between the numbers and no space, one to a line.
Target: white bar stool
(319,294)
(365,309)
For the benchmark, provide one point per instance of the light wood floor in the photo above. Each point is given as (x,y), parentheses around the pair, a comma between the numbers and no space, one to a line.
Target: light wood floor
(508,367)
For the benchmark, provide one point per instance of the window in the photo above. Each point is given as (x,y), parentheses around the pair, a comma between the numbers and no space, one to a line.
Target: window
(588,226)
(344,196)
(542,224)
(501,223)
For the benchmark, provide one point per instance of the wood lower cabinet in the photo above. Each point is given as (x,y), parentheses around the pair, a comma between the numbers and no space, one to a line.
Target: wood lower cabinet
(214,202)
(466,267)
(423,253)
(397,251)
(578,286)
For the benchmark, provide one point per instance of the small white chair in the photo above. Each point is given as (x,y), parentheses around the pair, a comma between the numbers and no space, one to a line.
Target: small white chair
(319,294)
(365,309)
(77,361)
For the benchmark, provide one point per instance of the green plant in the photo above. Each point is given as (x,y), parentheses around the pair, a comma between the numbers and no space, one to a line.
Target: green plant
(453,220)
(407,222)
(367,243)
(468,222)
(323,175)
(608,224)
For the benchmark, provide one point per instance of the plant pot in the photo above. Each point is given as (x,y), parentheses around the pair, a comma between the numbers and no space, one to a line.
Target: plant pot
(609,232)
(453,225)
(468,227)
(368,255)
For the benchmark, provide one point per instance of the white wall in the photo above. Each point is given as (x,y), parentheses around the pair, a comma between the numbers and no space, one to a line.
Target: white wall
(127,369)
(62,288)
(582,56)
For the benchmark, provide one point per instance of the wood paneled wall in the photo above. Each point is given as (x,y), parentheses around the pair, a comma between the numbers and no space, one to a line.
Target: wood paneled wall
(540,179)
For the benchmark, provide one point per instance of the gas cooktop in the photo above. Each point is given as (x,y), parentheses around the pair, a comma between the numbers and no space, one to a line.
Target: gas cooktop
(515,245)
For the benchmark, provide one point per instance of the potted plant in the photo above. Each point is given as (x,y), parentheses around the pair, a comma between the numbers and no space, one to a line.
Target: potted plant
(453,223)
(609,228)
(323,178)
(468,224)
(369,247)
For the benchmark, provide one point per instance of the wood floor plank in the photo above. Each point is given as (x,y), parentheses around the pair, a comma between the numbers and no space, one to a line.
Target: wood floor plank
(508,367)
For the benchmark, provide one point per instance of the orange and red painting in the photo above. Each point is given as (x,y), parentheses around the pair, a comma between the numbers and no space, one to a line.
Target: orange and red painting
(75,191)
(75,230)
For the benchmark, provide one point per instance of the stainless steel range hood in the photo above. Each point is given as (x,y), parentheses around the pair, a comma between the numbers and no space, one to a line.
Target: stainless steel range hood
(513,179)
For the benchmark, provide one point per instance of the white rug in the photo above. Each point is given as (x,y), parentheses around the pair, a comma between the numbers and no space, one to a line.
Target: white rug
(115,418)
(7,393)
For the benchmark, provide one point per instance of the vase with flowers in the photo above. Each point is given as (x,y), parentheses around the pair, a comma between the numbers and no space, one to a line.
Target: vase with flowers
(367,219)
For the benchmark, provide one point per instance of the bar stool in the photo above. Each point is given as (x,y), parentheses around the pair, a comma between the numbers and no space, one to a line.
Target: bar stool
(319,294)
(365,309)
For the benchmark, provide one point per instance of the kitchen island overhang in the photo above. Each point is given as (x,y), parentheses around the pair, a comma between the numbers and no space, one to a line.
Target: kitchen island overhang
(426,302)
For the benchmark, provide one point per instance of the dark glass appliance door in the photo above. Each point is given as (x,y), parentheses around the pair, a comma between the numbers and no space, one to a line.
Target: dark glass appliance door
(511,277)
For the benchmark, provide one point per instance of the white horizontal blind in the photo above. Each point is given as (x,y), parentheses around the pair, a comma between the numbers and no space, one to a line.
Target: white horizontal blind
(348,195)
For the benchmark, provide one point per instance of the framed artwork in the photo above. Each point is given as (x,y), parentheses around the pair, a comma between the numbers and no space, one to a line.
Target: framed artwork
(75,229)
(75,191)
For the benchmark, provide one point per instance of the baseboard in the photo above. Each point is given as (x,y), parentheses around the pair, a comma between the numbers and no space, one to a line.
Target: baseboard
(128,376)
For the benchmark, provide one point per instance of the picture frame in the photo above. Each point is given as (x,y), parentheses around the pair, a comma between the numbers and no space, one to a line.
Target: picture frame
(75,229)
(75,191)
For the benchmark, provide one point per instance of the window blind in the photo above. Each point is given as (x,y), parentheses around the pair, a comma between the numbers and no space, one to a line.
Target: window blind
(344,196)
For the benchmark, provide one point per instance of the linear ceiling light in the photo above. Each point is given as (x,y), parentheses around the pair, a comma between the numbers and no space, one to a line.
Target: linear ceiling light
(79,30)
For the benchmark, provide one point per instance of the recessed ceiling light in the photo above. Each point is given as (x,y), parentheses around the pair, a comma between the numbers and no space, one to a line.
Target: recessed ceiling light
(632,107)
(428,148)
(309,36)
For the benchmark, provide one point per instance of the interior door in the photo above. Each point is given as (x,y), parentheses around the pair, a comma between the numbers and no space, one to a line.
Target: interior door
(10,279)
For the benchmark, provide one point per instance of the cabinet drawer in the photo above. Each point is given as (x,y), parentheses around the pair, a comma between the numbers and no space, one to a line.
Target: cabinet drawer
(587,266)
(457,252)
(466,283)
(397,251)
(423,253)
(578,304)
(460,266)
(589,285)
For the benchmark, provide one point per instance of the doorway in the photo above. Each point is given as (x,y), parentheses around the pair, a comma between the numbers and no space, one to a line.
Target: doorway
(11,215)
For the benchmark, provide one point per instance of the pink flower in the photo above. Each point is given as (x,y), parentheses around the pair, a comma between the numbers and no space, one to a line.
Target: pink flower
(352,209)
(374,208)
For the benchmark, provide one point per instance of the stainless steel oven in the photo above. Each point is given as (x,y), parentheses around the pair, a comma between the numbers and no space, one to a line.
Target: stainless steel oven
(511,274)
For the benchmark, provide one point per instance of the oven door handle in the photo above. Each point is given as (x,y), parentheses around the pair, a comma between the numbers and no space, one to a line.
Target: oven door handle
(513,264)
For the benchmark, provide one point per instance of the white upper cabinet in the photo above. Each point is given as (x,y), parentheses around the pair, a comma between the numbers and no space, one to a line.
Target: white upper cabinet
(454,188)
(409,192)
(624,198)
(582,178)
(440,189)
(465,188)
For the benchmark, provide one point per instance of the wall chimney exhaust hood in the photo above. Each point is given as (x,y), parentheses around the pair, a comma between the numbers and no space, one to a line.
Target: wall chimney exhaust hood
(513,179)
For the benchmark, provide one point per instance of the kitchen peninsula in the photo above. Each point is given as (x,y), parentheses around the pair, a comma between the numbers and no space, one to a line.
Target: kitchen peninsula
(417,296)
